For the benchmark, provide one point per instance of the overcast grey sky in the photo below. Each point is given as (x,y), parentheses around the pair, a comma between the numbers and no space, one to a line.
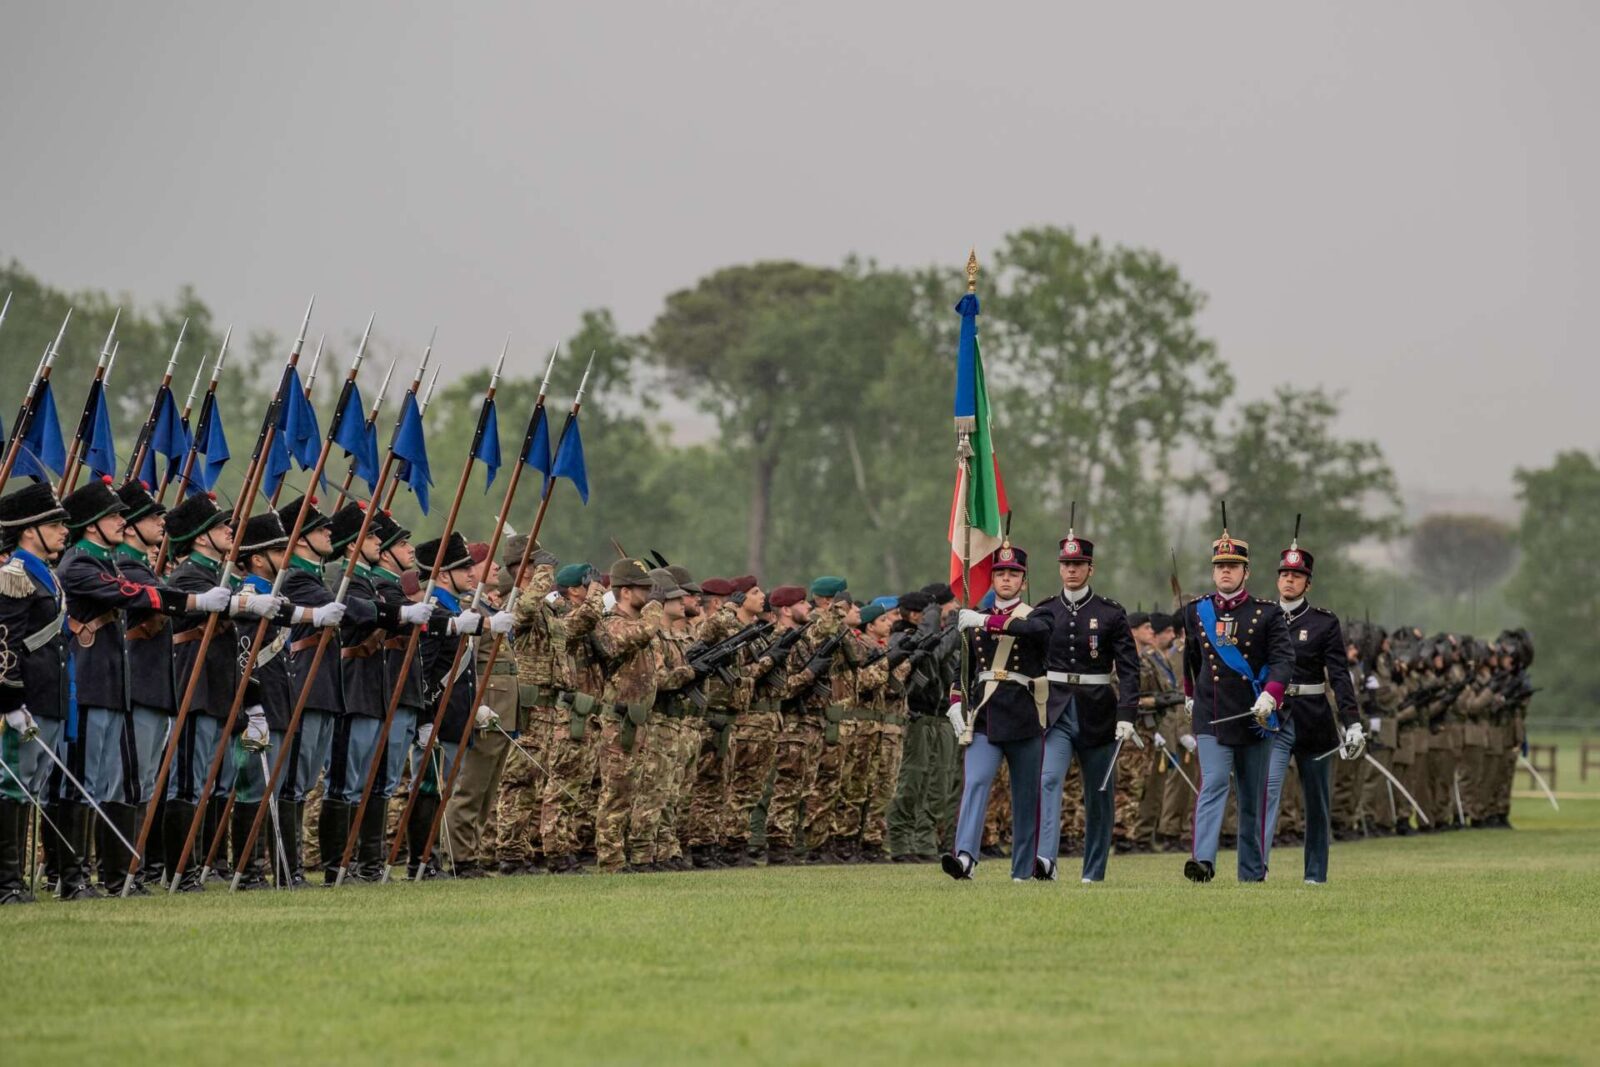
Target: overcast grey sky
(1392,199)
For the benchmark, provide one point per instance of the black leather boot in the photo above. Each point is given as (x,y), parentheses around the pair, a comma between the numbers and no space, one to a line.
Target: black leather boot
(373,848)
(175,827)
(417,836)
(52,843)
(253,868)
(291,816)
(213,824)
(333,831)
(74,881)
(115,858)
(13,836)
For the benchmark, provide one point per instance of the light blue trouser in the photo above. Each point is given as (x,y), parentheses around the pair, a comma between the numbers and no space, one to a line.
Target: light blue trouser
(345,781)
(252,780)
(150,729)
(402,732)
(1316,777)
(978,768)
(1248,764)
(1060,745)
(100,736)
(313,744)
(193,760)
(31,762)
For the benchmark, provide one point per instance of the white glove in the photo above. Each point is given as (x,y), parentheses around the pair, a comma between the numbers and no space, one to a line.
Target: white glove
(331,614)
(970,620)
(1263,707)
(213,600)
(260,605)
(1161,742)
(467,624)
(256,738)
(22,722)
(487,719)
(957,719)
(415,614)
(424,732)
(1374,724)
(500,622)
(1124,731)
(1372,682)
(1188,742)
(1354,735)
(609,600)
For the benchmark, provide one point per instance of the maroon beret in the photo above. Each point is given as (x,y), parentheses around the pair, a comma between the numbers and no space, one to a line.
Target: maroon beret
(744,583)
(478,550)
(786,596)
(716,587)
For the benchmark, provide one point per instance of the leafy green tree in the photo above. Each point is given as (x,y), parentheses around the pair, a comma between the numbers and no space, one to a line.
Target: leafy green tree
(1459,555)
(1281,457)
(1100,378)
(1557,585)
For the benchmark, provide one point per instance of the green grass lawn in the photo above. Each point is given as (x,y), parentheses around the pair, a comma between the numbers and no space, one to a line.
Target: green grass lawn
(1467,947)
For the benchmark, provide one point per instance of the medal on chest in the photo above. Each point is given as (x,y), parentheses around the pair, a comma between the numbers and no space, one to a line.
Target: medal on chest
(1227,629)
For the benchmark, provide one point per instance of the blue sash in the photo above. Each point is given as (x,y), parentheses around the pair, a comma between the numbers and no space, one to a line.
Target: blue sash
(1231,657)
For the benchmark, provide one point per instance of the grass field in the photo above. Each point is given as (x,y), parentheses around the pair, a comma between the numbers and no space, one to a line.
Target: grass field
(1468,947)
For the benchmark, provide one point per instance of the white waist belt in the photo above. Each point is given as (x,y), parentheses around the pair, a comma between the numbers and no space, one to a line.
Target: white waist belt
(1004,676)
(1307,689)
(1078,679)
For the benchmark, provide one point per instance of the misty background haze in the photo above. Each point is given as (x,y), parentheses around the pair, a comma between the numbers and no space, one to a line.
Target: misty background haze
(1389,200)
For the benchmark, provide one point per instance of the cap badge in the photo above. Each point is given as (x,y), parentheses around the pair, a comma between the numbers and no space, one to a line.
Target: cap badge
(1006,555)
(1072,548)
(1292,558)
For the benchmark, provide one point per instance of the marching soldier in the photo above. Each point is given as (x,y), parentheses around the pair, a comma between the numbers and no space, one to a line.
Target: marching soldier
(1167,794)
(708,785)
(663,753)
(1311,727)
(517,847)
(569,793)
(1010,694)
(753,740)
(1238,660)
(396,557)
(861,729)
(1093,672)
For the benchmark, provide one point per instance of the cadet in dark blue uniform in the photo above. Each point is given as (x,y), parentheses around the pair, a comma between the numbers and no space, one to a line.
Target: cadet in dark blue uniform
(396,557)
(1009,692)
(33,669)
(152,690)
(1093,669)
(305,586)
(1309,730)
(98,593)
(1236,662)
(457,578)
(372,618)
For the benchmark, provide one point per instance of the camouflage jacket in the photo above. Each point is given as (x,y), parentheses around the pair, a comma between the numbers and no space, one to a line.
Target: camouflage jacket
(577,665)
(531,638)
(627,652)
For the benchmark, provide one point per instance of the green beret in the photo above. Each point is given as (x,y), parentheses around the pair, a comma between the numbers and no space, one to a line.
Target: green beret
(573,574)
(871,613)
(828,587)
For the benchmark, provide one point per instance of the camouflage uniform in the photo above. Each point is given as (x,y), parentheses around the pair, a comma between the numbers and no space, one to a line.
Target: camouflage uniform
(888,703)
(753,750)
(1379,801)
(522,783)
(799,740)
(826,796)
(1160,693)
(569,793)
(661,754)
(860,743)
(627,647)
(704,818)
(1132,827)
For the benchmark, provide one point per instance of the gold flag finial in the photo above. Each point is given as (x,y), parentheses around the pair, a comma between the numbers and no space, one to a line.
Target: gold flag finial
(972,271)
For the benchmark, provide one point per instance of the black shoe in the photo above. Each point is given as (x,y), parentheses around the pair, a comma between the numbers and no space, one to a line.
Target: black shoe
(958,867)
(874,854)
(13,838)
(470,870)
(1199,870)
(74,880)
(1044,870)
(333,836)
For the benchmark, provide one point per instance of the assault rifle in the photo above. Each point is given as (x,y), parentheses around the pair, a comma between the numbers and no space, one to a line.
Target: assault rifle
(778,651)
(714,659)
(820,665)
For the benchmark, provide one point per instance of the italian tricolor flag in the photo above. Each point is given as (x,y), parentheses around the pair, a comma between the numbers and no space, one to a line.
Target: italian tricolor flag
(980,496)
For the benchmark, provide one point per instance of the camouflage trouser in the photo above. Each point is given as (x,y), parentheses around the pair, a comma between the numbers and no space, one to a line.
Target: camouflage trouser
(705,810)
(799,745)
(1471,775)
(1348,778)
(1378,799)
(309,838)
(883,773)
(522,785)
(619,779)
(822,798)
(1133,770)
(1148,815)
(751,752)
(651,765)
(670,841)
(1442,760)
(997,819)
(859,739)
(569,793)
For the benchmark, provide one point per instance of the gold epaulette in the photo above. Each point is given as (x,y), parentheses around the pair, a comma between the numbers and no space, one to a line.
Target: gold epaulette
(14,580)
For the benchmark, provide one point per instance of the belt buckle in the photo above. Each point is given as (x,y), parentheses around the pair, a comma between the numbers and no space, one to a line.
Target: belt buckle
(1072,679)
(1001,675)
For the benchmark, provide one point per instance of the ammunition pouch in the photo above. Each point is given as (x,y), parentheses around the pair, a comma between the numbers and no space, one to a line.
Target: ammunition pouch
(580,706)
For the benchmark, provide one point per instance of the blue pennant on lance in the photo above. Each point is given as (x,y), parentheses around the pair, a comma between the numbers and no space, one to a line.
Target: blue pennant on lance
(569,462)
(42,449)
(488,452)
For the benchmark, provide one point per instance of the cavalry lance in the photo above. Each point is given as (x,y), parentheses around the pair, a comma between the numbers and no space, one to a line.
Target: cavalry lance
(69,477)
(30,402)
(142,446)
